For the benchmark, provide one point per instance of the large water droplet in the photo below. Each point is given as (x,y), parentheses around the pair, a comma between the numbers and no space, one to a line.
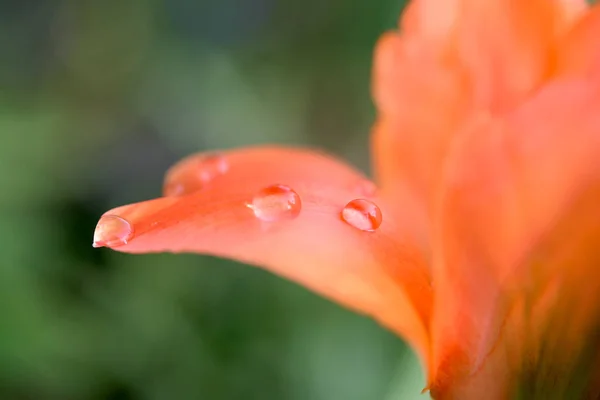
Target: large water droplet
(362,214)
(211,166)
(275,203)
(112,231)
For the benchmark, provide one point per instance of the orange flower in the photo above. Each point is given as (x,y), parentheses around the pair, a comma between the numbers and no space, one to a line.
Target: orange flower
(480,245)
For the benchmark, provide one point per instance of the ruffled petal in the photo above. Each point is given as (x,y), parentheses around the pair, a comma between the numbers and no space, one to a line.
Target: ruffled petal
(452,59)
(511,185)
(380,273)
(508,47)
(431,19)
(420,96)
(436,19)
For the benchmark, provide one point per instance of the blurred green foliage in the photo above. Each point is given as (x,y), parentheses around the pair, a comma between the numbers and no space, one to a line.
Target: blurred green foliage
(98,98)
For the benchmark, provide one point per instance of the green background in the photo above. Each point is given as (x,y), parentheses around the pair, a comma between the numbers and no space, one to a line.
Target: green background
(97,100)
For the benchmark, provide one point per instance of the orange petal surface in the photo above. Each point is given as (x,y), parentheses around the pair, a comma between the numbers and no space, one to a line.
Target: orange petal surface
(508,46)
(579,52)
(420,95)
(451,59)
(380,273)
(511,182)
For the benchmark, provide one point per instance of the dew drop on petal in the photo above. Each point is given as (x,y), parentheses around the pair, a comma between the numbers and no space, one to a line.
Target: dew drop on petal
(112,231)
(365,187)
(212,165)
(362,214)
(205,169)
(173,189)
(275,203)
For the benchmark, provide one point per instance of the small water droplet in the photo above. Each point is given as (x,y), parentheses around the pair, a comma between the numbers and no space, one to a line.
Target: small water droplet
(112,231)
(172,189)
(362,214)
(205,169)
(212,165)
(276,202)
(366,187)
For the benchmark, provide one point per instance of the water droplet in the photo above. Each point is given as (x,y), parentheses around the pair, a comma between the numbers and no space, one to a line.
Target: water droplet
(173,189)
(362,214)
(112,231)
(366,187)
(204,170)
(211,166)
(275,203)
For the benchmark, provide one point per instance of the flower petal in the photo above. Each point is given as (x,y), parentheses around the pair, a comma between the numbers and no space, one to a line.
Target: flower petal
(510,181)
(381,273)
(420,98)
(579,52)
(432,19)
(507,47)
(437,18)
(447,63)
(561,318)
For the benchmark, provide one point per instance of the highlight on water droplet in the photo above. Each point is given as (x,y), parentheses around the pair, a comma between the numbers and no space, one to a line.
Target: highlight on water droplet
(362,214)
(112,231)
(212,165)
(275,203)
